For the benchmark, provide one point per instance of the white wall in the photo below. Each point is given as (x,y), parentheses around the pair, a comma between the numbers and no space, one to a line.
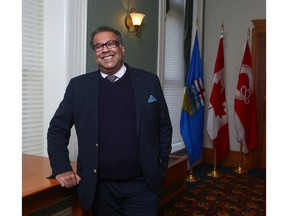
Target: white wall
(237,17)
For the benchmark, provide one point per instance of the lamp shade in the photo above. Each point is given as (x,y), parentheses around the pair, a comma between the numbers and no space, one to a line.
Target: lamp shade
(137,18)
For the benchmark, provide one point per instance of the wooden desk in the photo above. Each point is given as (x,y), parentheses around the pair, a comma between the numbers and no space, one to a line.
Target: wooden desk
(38,191)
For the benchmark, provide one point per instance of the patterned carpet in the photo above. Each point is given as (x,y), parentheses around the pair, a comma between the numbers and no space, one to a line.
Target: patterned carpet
(231,194)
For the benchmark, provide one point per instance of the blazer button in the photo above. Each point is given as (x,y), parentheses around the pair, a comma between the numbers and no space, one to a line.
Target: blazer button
(94,170)
(97,145)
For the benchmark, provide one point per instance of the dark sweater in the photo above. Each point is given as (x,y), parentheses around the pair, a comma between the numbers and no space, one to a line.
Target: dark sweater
(117,129)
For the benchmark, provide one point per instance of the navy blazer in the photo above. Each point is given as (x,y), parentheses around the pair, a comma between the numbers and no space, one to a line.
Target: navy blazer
(79,107)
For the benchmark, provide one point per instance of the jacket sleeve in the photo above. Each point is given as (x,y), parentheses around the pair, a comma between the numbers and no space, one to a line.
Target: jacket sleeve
(165,129)
(59,134)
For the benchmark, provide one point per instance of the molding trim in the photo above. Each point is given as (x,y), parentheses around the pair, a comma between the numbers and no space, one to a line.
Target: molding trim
(161,40)
(75,52)
(75,37)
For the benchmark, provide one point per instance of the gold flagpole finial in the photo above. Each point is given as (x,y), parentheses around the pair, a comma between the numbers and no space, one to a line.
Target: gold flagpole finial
(197,24)
(222,29)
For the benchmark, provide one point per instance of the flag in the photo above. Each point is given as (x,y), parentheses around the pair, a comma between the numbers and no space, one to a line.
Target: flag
(192,113)
(245,105)
(217,119)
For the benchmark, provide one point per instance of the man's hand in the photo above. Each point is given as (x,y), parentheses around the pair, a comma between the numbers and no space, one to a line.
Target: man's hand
(68,179)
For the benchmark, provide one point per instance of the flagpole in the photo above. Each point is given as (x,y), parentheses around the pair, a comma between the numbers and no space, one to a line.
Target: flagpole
(194,80)
(240,169)
(248,35)
(191,177)
(214,173)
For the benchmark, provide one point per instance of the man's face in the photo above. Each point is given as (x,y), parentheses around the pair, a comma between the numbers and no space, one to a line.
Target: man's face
(109,61)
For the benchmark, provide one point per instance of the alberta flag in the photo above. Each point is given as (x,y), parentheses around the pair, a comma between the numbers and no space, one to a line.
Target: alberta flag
(217,118)
(192,113)
(245,105)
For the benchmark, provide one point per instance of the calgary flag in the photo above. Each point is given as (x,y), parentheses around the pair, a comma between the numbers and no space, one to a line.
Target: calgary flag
(217,120)
(245,105)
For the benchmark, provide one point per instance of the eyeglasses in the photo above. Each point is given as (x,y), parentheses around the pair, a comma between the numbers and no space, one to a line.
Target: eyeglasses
(109,44)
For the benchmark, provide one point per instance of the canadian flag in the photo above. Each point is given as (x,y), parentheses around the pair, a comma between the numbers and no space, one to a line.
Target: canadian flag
(245,105)
(217,120)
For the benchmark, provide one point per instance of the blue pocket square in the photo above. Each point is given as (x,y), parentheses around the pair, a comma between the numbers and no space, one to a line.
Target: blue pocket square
(151,99)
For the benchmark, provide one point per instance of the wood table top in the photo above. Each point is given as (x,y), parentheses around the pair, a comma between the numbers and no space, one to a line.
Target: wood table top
(35,170)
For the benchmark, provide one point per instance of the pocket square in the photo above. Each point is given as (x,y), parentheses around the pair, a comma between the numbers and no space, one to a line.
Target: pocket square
(151,99)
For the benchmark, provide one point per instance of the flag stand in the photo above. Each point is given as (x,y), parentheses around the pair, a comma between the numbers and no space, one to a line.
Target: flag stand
(190,176)
(214,173)
(240,169)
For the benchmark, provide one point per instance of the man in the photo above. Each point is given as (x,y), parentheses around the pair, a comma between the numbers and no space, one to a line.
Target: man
(124,134)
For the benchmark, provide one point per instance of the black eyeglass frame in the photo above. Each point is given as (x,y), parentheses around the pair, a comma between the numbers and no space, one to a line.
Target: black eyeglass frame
(109,44)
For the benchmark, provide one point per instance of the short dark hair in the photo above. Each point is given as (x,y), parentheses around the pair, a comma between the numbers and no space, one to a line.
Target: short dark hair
(106,29)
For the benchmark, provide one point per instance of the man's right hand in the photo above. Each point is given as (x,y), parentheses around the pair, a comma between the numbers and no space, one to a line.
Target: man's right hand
(68,179)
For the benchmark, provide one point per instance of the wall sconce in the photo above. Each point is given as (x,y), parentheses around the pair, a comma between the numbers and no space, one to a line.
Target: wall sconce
(133,21)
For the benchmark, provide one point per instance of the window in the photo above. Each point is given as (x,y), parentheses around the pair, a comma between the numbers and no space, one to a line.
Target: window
(32,76)
(173,75)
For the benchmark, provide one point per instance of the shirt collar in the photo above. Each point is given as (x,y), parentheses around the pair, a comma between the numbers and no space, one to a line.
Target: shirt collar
(119,73)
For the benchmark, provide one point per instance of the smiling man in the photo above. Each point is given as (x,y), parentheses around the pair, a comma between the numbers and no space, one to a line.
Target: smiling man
(124,133)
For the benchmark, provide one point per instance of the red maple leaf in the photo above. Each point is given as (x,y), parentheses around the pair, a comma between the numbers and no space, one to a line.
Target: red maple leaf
(217,99)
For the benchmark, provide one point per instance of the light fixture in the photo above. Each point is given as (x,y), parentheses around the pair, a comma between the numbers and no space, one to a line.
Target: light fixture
(133,21)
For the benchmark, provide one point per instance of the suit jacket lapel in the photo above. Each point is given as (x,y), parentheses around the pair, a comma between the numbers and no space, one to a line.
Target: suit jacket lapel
(95,100)
(138,92)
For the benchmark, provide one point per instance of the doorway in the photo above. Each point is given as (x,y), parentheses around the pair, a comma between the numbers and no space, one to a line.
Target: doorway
(258,156)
